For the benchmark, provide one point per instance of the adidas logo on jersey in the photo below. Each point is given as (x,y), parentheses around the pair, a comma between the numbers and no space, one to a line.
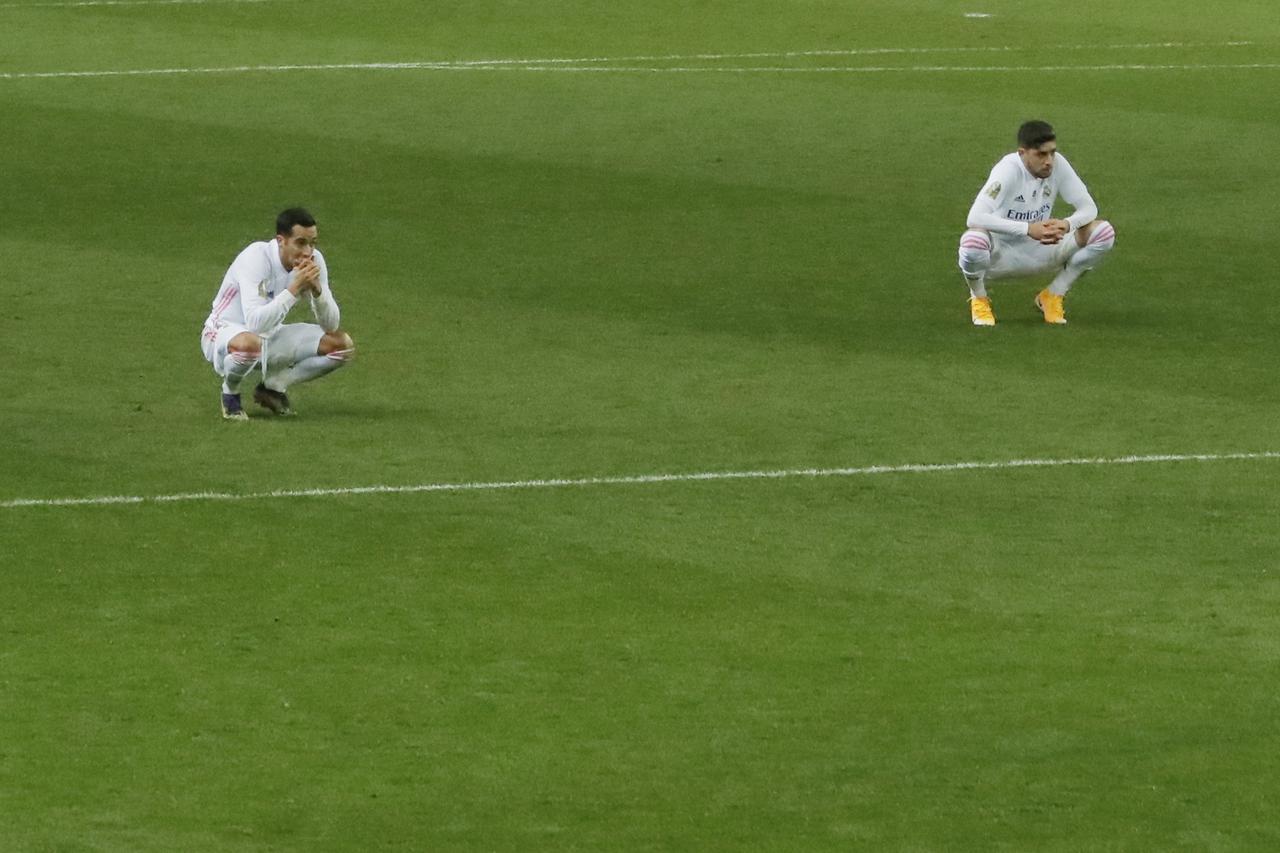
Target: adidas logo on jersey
(1021,199)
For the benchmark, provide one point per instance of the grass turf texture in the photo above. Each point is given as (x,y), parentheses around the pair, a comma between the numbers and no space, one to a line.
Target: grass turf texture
(579,274)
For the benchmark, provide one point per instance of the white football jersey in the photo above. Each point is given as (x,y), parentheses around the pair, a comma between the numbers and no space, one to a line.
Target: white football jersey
(255,292)
(1013,198)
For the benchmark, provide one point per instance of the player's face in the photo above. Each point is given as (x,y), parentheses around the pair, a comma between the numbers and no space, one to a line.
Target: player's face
(1039,161)
(297,246)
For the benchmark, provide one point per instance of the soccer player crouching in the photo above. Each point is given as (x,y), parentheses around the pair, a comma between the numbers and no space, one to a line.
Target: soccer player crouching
(246,327)
(1011,233)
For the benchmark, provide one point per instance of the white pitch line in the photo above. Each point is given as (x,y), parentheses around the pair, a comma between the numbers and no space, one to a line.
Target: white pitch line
(861,51)
(642,69)
(640,479)
(228,69)
(858,69)
(569,64)
(72,4)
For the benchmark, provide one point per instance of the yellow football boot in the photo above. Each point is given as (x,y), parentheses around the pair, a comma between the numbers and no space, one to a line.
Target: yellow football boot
(1050,305)
(980,309)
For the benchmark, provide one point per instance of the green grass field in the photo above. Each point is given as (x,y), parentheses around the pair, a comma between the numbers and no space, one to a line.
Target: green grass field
(623,267)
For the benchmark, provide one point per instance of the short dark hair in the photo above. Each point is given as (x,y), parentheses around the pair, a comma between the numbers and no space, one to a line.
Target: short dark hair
(291,217)
(1035,133)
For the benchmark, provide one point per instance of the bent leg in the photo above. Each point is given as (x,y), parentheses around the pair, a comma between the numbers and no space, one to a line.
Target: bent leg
(975,260)
(335,342)
(243,352)
(1093,242)
(309,353)
(336,350)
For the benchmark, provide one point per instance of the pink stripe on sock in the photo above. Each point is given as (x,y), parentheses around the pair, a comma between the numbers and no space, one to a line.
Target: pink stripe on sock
(974,244)
(1102,235)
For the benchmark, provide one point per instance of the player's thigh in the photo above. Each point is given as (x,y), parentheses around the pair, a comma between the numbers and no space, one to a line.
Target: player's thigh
(1023,257)
(214,342)
(292,343)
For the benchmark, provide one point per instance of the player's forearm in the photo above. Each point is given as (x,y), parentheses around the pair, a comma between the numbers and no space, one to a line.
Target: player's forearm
(327,314)
(1074,192)
(989,221)
(268,315)
(1085,213)
(325,309)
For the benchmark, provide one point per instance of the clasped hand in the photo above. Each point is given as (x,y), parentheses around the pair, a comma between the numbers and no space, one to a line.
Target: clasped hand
(306,277)
(1049,231)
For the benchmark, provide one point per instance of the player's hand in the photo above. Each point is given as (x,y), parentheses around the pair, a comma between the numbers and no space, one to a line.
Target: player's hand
(306,277)
(1048,232)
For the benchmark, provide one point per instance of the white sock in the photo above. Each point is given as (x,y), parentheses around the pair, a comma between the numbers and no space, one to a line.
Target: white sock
(1100,242)
(974,259)
(309,368)
(237,366)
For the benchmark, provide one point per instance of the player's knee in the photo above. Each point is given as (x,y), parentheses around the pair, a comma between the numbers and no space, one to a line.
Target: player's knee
(245,344)
(239,362)
(338,347)
(1102,237)
(975,252)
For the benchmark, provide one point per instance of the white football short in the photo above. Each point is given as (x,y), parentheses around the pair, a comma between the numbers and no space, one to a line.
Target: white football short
(288,345)
(1016,257)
